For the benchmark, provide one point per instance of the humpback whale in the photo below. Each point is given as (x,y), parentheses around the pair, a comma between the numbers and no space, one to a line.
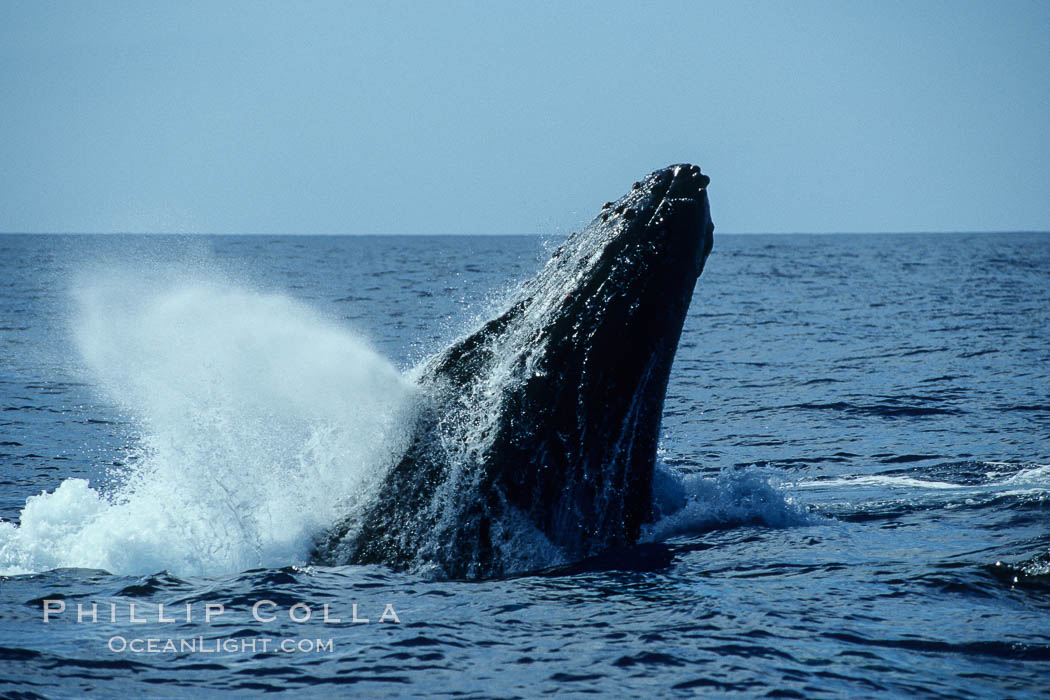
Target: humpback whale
(536,443)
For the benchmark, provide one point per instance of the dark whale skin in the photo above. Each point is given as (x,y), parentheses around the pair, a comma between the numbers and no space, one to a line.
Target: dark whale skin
(537,442)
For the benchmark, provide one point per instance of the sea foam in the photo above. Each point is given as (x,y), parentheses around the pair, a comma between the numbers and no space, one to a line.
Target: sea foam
(693,503)
(260,422)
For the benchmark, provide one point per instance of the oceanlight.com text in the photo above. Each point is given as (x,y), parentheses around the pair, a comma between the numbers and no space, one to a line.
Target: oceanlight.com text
(199,645)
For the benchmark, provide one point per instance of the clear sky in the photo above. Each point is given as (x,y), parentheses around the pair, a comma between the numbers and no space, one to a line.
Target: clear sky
(520,117)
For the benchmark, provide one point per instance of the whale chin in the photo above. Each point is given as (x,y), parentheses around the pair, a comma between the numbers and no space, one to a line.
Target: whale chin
(537,440)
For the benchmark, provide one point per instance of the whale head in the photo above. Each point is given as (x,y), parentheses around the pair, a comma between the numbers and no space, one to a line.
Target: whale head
(631,272)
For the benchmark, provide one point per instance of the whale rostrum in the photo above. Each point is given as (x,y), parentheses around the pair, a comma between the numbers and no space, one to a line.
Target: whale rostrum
(537,440)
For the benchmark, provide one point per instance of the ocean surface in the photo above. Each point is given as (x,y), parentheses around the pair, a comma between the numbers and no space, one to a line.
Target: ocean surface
(855,463)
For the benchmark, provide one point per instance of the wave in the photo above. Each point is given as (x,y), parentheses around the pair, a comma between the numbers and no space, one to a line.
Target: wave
(1009,489)
(992,478)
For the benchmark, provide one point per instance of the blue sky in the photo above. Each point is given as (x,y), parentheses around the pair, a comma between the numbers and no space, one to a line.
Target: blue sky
(500,117)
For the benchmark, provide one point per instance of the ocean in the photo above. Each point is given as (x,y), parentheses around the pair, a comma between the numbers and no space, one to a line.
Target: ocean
(854,471)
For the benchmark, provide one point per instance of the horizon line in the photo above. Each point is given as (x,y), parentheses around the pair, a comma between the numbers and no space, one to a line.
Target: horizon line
(500,235)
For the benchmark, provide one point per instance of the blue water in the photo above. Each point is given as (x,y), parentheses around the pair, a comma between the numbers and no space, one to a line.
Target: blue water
(854,471)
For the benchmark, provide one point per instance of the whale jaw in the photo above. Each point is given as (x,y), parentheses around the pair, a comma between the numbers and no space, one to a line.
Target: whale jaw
(538,440)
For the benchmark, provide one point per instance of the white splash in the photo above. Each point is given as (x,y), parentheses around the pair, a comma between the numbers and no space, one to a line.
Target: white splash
(261,423)
(694,503)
